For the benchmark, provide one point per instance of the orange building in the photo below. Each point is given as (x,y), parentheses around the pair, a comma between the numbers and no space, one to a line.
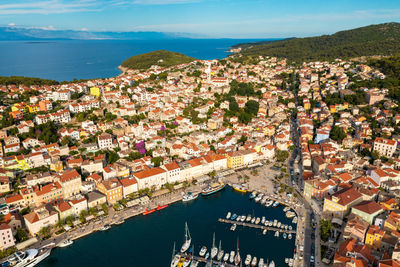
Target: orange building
(112,189)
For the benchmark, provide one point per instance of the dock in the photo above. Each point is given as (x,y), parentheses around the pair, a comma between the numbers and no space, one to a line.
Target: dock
(258,226)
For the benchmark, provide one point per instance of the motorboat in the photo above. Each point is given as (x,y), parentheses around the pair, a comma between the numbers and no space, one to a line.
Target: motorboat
(284,235)
(248,218)
(253,219)
(29,257)
(286,260)
(275,222)
(189,196)
(263,220)
(240,188)
(228,216)
(105,227)
(234,217)
(243,218)
(290,236)
(207,255)
(247,261)
(226,257)
(277,234)
(265,232)
(175,260)
(253,195)
(213,188)
(276,203)
(65,243)
(271,264)
(194,263)
(203,251)
(254,262)
(233,227)
(257,220)
(187,262)
(231,256)
(261,262)
(220,255)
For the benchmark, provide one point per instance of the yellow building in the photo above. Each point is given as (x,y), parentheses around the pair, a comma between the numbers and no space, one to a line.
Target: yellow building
(33,108)
(340,203)
(56,166)
(112,189)
(95,91)
(234,159)
(22,164)
(374,236)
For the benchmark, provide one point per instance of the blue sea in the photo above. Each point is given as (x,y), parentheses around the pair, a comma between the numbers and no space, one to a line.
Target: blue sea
(147,241)
(65,60)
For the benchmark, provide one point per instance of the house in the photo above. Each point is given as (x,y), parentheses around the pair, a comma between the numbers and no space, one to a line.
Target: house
(49,193)
(356,228)
(5,184)
(71,182)
(385,147)
(39,218)
(340,203)
(155,177)
(129,186)
(6,237)
(112,189)
(374,236)
(173,172)
(95,199)
(78,205)
(105,141)
(367,210)
(352,250)
(64,210)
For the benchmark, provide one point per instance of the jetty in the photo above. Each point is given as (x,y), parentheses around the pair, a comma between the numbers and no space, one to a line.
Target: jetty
(258,226)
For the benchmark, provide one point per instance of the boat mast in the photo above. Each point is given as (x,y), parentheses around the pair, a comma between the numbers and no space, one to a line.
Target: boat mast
(213,240)
(219,247)
(173,252)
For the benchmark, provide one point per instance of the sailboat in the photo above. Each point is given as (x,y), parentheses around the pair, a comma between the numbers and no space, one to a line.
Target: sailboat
(188,239)
(175,258)
(220,252)
(214,249)
(237,257)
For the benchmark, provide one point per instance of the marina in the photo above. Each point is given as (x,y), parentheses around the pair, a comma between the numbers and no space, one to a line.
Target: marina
(168,226)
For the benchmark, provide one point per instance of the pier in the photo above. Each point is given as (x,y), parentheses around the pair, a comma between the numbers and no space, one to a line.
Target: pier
(258,226)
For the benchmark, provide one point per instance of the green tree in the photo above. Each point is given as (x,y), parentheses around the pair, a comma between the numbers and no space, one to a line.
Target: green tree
(157,161)
(337,134)
(252,107)
(21,235)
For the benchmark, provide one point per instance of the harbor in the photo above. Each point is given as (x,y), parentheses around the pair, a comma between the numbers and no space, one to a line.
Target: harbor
(166,226)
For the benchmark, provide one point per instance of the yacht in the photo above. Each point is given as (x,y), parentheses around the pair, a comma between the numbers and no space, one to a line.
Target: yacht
(65,243)
(271,264)
(232,256)
(240,188)
(253,195)
(226,257)
(213,188)
(228,216)
(188,239)
(214,249)
(275,222)
(247,261)
(261,262)
(290,236)
(175,260)
(187,262)
(277,234)
(189,196)
(286,260)
(243,218)
(203,251)
(248,218)
(279,225)
(265,232)
(233,227)
(220,255)
(284,235)
(269,203)
(29,257)
(253,219)
(254,262)
(234,216)
(263,220)
(257,220)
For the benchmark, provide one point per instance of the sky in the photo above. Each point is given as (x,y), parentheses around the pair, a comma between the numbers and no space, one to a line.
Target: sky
(203,18)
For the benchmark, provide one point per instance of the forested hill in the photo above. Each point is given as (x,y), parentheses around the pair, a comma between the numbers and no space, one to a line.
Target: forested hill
(381,39)
(161,58)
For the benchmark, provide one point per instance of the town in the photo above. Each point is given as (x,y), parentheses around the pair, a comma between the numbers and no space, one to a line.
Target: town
(72,152)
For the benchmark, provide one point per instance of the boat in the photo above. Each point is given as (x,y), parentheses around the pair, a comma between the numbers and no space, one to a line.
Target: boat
(188,239)
(214,249)
(290,236)
(253,219)
(286,209)
(291,261)
(242,218)
(233,227)
(237,256)
(265,232)
(253,195)
(261,262)
(65,243)
(220,252)
(162,207)
(207,255)
(120,221)
(203,251)
(284,235)
(212,189)
(257,199)
(275,222)
(194,263)
(294,220)
(226,257)
(228,216)
(269,203)
(147,211)
(238,218)
(181,262)
(277,234)
(187,262)
(247,261)
(105,227)
(276,203)
(263,220)
(290,227)
(232,256)
(175,260)
(234,217)
(29,257)
(279,225)
(264,200)
(189,196)
(290,214)
(248,218)
(239,188)
(271,264)
(254,262)
(258,220)
(286,226)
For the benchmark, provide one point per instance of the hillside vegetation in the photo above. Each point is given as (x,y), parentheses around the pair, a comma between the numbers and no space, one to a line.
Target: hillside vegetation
(381,39)
(161,58)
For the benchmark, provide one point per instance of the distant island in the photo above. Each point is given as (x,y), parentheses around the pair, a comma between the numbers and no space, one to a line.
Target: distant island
(382,39)
(160,58)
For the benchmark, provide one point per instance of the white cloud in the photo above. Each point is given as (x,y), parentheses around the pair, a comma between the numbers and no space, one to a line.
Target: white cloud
(48,28)
(11,24)
(84,29)
(164,2)
(48,7)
